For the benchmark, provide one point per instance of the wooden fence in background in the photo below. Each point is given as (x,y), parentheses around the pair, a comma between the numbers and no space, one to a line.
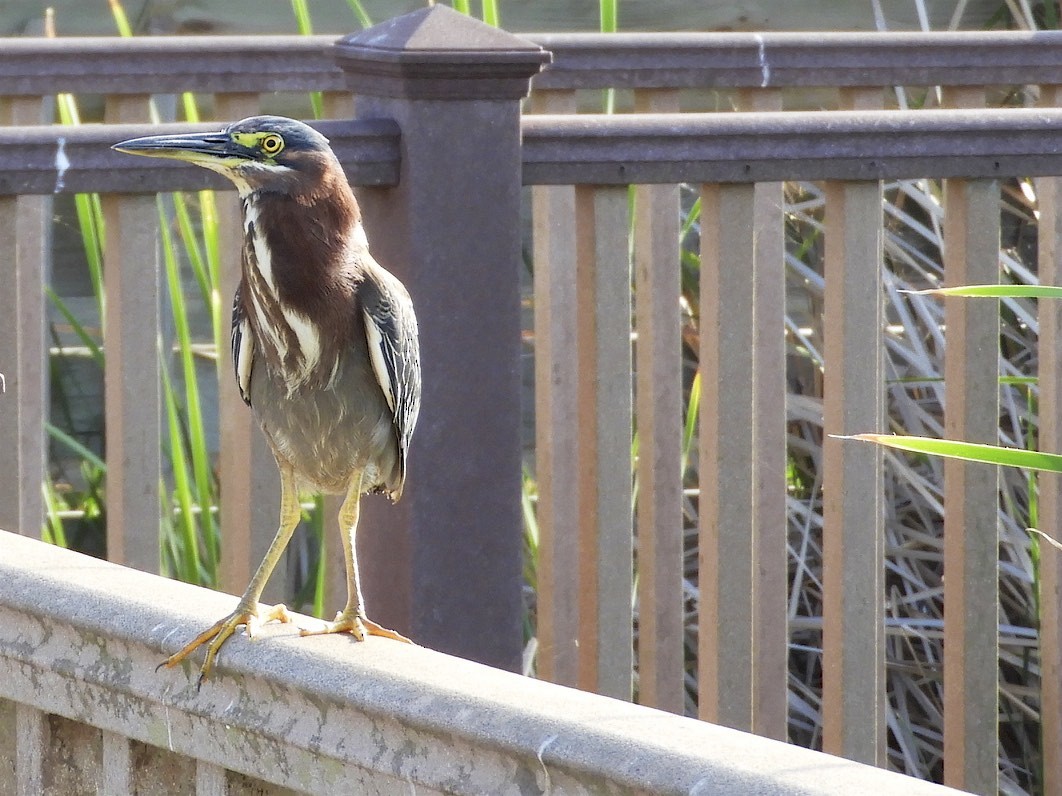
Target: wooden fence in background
(580,166)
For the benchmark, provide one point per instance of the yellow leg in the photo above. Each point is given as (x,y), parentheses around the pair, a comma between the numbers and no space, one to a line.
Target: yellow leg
(247,610)
(352,618)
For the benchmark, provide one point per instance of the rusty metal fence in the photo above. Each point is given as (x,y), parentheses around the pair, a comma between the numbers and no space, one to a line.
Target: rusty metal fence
(580,166)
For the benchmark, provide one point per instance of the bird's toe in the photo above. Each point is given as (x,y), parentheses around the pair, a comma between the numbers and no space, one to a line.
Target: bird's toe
(215,636)
(357,625)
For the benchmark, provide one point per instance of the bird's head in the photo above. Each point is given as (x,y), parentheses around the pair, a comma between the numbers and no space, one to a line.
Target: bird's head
(260,154)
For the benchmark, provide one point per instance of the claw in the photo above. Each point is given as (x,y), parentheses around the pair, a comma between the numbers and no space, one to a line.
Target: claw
(358,625)
(220,632)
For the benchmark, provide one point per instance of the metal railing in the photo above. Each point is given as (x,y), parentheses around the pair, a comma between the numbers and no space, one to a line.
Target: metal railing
(580,168)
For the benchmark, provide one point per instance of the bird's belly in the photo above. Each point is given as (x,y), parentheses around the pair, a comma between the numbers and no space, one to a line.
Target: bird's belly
(329,434)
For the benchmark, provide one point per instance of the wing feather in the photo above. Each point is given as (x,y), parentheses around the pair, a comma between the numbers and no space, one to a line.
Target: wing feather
(242,344)
(394,350)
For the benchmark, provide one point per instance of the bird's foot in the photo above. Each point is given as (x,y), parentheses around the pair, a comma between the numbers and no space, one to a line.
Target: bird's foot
(358,625)
(220,632)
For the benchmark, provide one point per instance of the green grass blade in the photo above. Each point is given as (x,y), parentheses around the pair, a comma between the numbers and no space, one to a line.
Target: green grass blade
(609,21)
(53,531)
(78,328)
(317,527)
(170,551)
(305,27)
(89,210)
(528,497)
(359,11)
(462,6)
(192,248)
(190,107)
(76,447)
(302,17)
(90,220)
(691,218)
(992,291)
(121,20)
(490,13)
(187,562)
(208,220)
(197,437)
(966,451)
(690,427)
(609,16)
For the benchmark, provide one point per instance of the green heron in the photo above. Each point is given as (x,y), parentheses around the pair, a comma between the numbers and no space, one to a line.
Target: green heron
(324,343)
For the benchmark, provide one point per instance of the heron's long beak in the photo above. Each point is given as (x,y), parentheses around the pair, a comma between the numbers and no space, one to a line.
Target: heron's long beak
(212,150)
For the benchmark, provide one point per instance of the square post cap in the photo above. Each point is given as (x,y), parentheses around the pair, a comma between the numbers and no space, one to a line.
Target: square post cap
(439,53)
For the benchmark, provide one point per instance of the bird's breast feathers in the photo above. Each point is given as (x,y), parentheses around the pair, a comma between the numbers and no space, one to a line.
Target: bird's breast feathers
(289,340)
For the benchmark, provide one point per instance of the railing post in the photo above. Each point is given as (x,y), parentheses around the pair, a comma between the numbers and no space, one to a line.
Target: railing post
(445,565)
(25,235)
(132,379)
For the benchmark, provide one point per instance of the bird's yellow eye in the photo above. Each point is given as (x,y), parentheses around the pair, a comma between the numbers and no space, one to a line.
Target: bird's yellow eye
(271,144)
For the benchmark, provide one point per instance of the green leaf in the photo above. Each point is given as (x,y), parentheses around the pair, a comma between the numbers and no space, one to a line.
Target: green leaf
(992,291)
(966,451)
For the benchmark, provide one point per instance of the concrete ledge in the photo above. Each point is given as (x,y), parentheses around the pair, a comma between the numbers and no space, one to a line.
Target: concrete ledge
(80,638)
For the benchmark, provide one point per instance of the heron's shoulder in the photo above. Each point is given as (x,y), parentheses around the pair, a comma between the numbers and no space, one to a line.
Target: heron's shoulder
(372,279)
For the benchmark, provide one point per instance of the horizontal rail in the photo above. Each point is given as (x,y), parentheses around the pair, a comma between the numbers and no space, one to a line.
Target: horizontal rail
(777,60)
(80,638)
(164,64)
(763,147)
(168,64)
(605,150)
(44,160)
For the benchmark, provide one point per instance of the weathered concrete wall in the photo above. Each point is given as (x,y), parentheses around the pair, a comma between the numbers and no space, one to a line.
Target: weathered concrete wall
(80,638)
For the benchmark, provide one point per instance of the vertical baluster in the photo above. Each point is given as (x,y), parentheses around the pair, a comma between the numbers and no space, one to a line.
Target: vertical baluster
(661,670)
(117,764)
(770,580)
(210,780)
(971,494)
(132,379)
(971,542)
(31,738)
(26,353)
(853,700)
(11,490)
(726,452)
(853,677)
(603,296)
(8,745)
(556,418)
(1049,196)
